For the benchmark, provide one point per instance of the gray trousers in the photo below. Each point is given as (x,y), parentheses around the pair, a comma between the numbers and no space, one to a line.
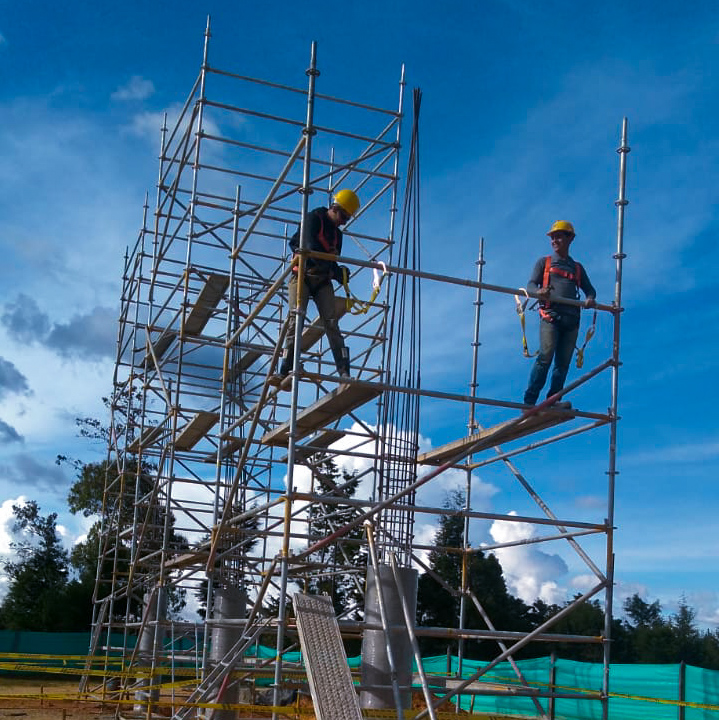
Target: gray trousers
(321,291)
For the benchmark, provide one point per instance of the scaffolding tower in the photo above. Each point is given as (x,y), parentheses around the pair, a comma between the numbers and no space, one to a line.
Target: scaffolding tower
(223,491)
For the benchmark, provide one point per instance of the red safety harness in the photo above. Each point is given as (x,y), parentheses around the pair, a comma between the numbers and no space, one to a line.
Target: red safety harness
(549,270)
(326,245)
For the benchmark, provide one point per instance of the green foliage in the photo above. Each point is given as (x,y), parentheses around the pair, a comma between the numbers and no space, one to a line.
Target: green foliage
(440,607)
(39,596)
(85,495)
(118,510)
(346,558)
(642,614)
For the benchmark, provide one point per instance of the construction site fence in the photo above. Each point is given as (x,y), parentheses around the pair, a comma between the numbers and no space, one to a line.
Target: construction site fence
(671,692)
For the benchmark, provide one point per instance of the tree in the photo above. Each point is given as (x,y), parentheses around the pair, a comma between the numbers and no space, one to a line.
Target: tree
(687,640)
(346,558)
(117,510)
(439,607)
(650,635)
(39,591)
(641,613)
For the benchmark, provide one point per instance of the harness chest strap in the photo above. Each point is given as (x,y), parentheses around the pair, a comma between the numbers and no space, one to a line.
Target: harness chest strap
(328,248)
(548,271)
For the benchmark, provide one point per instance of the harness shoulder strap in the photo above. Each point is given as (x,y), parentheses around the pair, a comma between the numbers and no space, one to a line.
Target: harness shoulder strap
(544,307)
(547,268)
(323,240)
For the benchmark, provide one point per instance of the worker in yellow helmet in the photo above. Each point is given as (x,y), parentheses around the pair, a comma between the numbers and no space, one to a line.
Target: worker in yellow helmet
(560,276)
(321,234)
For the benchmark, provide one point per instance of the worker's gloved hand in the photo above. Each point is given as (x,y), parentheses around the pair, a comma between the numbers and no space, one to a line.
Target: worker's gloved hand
(544,292)
(342,273)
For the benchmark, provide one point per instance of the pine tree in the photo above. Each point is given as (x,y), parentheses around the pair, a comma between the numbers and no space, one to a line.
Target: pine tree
(39,578)
(345,559)
(439,607)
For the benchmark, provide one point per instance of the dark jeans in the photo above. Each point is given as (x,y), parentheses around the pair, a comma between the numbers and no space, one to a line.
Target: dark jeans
(556,340)
(321,291)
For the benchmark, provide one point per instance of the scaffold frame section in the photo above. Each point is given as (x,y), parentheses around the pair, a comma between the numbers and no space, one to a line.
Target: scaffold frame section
(218,484)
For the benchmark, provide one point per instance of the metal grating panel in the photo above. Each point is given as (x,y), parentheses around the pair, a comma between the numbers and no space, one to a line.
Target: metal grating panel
(333,693)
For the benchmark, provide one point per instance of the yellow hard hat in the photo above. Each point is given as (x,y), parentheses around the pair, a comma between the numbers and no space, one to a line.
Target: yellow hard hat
(348,201)
(562,226)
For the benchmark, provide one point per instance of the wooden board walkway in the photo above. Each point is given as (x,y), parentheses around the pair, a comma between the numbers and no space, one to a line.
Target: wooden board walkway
(231,445)
(195,430)
(210,295)
(318,443)
(207,300)
(324,412)
(496,435)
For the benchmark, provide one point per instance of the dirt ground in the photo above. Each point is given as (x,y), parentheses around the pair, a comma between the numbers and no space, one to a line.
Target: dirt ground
(46,699)
(51,699)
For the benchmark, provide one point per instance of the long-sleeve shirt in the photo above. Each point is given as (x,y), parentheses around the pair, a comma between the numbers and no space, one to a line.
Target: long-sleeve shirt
(321,235)
(562,286)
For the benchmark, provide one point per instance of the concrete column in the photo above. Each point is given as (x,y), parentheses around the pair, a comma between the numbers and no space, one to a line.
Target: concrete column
(229,603)
(149,645)
(375,663)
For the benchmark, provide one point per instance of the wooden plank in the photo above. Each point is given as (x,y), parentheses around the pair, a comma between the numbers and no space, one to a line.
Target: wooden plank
(192,558)
(324,412)
(311,335)
(149,435)
(206,302)
(247,359)
(195,430)
(230,446)
(496,435)
(316,444)
(160,346)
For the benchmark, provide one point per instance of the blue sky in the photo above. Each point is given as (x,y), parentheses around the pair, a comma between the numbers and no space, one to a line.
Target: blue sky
(521,115)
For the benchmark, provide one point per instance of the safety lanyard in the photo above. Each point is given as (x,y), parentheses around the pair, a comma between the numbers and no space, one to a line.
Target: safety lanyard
(353,304)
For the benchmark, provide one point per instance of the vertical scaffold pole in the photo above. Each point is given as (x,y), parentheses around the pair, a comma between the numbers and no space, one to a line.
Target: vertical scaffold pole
(619,256)
(471,429)
(308,131)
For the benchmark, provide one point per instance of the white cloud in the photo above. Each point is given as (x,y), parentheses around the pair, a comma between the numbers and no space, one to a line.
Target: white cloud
(680,454)
(147,124)
(591,501)
(6,522)
(136,88)
(530,573)
(706,604)
(583,583)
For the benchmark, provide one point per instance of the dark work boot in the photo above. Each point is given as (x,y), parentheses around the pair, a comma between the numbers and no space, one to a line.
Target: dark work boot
(343,362)
(280,378)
